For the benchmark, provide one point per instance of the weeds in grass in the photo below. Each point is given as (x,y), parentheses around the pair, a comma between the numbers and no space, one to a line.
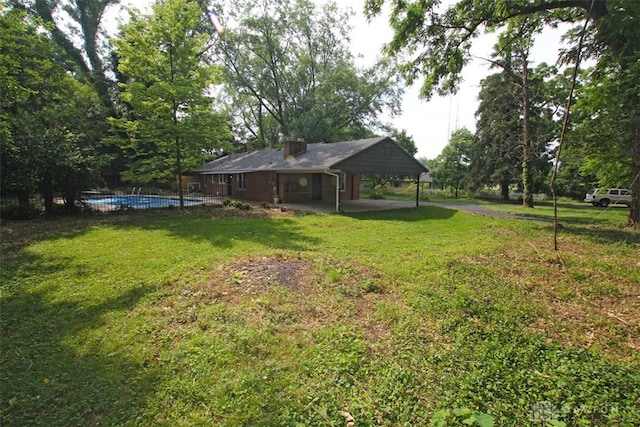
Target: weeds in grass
(204,317)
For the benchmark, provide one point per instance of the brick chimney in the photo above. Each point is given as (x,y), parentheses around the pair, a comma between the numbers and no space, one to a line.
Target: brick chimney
(293,148)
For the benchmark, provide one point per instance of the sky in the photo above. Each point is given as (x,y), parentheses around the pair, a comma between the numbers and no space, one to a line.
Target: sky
(430,123)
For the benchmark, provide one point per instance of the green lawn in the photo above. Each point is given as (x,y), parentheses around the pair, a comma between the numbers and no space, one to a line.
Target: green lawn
(567,211)
(410,317)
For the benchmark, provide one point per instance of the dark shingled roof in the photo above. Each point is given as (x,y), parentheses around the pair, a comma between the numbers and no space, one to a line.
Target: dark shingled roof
(317,158)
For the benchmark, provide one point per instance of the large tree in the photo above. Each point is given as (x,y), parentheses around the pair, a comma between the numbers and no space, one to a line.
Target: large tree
(450,168)
(290,73)
(50,122)
(81,36)
(171,123)
(604,112)
(512,54)
(515,127)
(496,155)
(437,43)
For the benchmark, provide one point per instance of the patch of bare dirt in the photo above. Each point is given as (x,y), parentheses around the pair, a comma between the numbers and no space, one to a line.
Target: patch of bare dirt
(263,274)
(297,294)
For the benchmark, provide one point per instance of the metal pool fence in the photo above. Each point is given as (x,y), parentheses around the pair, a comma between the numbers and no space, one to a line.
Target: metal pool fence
(141,198)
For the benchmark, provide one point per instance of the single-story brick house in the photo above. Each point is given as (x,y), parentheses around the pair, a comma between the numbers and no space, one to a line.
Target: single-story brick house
(305,172)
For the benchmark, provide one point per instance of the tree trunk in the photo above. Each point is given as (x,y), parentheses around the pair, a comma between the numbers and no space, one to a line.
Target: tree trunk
(23,198)
(47,191)
(527,177)
(504,190)
(634,215)
(70,192)
(179,173)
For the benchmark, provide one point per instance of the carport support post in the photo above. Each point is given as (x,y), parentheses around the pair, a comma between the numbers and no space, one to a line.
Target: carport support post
(337,175)
(417,191)
(338,193)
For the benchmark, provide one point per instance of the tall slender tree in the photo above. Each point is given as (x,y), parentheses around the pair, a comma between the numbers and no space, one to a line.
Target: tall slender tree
(514,46)
(511,55)
(171,124)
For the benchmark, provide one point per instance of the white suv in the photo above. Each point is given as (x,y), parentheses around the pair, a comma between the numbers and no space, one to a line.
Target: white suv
(604,196)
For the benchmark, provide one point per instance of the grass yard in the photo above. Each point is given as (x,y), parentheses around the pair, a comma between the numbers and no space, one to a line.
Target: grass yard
(409,317)
(571,211)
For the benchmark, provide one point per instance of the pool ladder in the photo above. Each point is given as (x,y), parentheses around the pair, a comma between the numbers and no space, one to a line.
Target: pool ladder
(133,191)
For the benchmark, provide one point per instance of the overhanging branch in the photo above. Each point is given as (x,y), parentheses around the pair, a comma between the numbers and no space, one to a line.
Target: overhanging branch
(596,12)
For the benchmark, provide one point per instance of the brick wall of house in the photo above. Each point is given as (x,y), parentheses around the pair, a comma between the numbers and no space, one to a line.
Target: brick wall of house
(214,185)
(259,187)
(328,187)
(354,187)
(291,187)
(295,187)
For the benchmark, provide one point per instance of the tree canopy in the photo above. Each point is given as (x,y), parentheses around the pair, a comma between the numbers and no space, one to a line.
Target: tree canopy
(290,73)
(50,122)
(81,38)
(435,43)
(171,122)
(450,168)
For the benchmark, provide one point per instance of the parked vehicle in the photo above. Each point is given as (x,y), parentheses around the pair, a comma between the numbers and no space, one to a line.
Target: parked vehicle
(605,196)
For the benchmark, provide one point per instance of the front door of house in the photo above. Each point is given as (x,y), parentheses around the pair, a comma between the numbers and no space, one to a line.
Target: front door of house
(316,187)
(229,184)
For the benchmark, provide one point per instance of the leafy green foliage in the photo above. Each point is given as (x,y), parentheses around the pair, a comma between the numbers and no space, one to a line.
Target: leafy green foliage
(238,204)
(81,38)
(450,168)
(289,73)
(163,56)
(497,154)
(437,42)
(52,124)
(466,416)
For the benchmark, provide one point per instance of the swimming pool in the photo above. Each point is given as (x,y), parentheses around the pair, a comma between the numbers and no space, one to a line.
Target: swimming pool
(139,202)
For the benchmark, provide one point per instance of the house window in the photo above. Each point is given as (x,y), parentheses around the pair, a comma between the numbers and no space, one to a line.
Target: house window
(242,183)
(221,179)
(343,181)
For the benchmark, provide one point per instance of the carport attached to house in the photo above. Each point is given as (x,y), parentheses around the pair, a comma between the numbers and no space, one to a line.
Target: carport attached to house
(301,172)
